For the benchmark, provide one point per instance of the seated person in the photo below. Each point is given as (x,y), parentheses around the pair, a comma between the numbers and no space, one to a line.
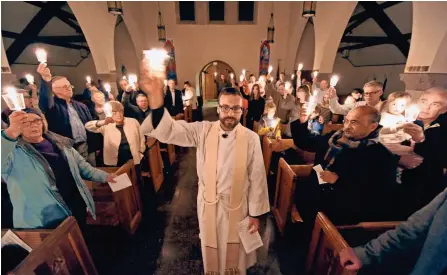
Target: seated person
(139,111)
(269,124)
(357,169)
(325,111)
(393,113)
(355,96)
(44,174)
(416,246)
(123,139)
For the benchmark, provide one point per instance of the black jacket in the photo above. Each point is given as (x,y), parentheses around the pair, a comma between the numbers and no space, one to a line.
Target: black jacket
(134,111)
(178,107)
(366,175)
(255,106)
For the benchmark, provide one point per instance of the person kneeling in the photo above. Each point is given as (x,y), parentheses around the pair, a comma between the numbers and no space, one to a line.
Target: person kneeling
(44,174)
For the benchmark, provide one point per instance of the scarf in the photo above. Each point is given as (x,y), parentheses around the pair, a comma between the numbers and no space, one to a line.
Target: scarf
(211,199)
(338,142)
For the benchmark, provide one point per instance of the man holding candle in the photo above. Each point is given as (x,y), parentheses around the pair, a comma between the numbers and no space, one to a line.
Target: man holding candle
(372,94)
(65,116)
(284,101)
(232,181)
(139,111)
(281,80)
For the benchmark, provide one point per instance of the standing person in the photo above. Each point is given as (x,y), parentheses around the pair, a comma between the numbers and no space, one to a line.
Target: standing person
(173,100)
(139,111)
(96,107)
(284,102)
(232,181)
(193,100)
(65,116)
(256,106)
(281,80)
(222,83)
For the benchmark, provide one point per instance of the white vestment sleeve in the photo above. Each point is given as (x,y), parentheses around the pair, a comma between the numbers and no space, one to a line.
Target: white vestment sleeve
(177,132)
(339,109)
(258,199)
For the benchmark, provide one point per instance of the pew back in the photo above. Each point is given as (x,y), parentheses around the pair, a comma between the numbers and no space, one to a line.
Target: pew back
(59,251)
(123,207)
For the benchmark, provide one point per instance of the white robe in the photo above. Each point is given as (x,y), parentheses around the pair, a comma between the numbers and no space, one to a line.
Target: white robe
(256,200)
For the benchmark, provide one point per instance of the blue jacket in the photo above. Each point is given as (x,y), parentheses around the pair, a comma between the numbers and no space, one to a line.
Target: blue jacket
(32,186)
(56,112)
(424,234)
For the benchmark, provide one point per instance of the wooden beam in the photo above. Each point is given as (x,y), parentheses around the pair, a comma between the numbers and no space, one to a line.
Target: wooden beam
(372,39)
(387,25)
(62,15)
(33,28)
(61,41)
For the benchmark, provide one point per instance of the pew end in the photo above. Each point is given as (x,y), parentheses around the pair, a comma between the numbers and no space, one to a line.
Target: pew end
(155,162)
(123,208)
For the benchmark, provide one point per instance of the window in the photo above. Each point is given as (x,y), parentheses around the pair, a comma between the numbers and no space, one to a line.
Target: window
(216,10)
(246,11)
(187,11)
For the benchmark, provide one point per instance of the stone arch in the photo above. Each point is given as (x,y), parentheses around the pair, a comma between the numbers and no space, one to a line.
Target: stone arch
(215,66)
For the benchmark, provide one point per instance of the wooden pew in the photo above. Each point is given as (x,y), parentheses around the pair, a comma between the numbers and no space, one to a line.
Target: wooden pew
(155,162)
(123,208)
(331,127)
(328,241)
(285,190)
(59,251)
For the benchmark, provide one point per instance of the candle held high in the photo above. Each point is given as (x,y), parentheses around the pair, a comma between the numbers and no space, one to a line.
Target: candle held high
(13,99)
(41,55)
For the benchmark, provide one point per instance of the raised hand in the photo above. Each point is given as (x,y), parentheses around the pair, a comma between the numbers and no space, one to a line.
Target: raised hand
(44,71)
(332,93)
(304,115)
(151,85)
(415,131)
(16,120)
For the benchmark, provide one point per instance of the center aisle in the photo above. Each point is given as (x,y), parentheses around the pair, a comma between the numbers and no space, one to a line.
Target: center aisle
(180,253)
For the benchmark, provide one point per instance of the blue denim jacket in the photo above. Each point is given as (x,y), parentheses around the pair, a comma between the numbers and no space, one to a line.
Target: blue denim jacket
(424,233)
(31,183)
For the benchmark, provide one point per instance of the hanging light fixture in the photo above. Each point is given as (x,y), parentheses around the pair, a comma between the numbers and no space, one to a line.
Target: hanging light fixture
(115,7)
(161,26)
(271,30)
(309,8)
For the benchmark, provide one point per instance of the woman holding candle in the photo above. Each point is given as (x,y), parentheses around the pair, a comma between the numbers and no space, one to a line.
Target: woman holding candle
(256,106)
(123,139)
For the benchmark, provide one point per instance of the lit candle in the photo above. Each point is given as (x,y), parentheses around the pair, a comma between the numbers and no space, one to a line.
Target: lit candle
(300,66)
(13,99)
(157,58)
(312,103)
(241,77)
(315,73)
(243,72)
(29,78)
(107,87)
(334,80)
(292,76)
(124,77)
(108,110)
(132,80)
(412,113)
(165,82)
(215,74)
(88,79)
(270,69)
(41,55)
(232,75)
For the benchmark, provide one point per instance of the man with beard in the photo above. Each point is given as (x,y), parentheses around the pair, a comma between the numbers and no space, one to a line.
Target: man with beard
(232,181)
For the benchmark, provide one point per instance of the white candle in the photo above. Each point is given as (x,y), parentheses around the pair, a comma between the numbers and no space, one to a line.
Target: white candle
(107,87)
(312,103)
(29,78)
(243,72)
(300,66)
(132,80)
(215,74)
(334,80)
(241,77)
(270,69)
(288,85)
(124,77)
(412,113)
(108,110)
(315,73)
(292,76)
(88,79)
(165,82)
(232,75)
(41,55)
(157,59)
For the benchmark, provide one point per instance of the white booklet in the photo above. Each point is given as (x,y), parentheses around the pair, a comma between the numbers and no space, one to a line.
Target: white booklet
(319,169)
(251,242)
(122,181)
(11,238)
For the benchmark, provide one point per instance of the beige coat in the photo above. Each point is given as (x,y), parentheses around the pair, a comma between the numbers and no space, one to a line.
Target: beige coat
(255,199)
(112,139)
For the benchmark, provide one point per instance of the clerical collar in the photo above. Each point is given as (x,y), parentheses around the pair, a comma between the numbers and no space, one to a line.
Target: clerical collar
(226,134)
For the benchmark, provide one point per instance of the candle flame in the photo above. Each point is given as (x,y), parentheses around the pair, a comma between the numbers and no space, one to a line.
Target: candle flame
(300,66)
(241,77)
(215,74)
(107,87)
(41,55)
(270,69)
(13,99)
(412,113)
(334,80)
(315,73)
(165,82)
(88,79)
(232,75)
(157,58)
(29,78)
(132,79)
(108,110)
(243,72)
(292,76)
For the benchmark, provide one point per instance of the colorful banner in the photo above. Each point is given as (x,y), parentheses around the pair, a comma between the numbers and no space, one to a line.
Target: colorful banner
(264,58)
(171,71)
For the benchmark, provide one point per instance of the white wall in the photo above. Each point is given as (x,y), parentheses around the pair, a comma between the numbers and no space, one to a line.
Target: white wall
(355,77)
(124,50)
(306,50)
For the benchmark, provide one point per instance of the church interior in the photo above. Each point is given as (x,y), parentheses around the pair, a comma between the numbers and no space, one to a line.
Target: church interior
(224,137)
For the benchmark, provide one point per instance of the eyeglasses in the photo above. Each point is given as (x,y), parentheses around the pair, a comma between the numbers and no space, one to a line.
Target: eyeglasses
(65,87)
(372,93)
(37,121)
(235,109)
